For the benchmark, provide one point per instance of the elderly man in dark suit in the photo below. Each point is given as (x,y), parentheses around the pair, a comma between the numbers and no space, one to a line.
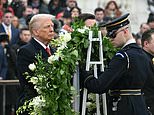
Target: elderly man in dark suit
(41,28)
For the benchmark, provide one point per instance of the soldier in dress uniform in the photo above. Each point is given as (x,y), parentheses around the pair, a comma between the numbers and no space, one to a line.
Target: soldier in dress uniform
(126,74)
(148,46)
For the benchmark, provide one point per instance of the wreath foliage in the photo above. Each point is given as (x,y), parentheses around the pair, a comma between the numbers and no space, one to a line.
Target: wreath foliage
(52,78)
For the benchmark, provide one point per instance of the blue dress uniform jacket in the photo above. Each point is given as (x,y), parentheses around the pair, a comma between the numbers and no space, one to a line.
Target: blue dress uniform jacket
(127,70)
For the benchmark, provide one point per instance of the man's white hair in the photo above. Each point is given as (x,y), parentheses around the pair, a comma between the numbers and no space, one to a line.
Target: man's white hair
(35,20)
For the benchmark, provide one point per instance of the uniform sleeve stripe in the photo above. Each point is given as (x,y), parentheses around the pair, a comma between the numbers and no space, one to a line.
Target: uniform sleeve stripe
(120,55)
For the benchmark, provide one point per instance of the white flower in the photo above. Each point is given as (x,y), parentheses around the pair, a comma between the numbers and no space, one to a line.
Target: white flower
(32,67)
(56,57)
(53,58)
(34,80)
(65,37)
(61,47)
(38,102)
(81,30)
(37,89)
(58,54)
(86,28)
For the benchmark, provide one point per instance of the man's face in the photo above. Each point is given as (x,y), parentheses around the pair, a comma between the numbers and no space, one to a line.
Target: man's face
(99,15)
(15,21)
(90,22)
(67,21)
(144,28)
(118,40)
(28,11)
(4,43)
(151,24)
(150,45)
(25,36)
(71,3)
(75,12)
(7,18)
(46,31)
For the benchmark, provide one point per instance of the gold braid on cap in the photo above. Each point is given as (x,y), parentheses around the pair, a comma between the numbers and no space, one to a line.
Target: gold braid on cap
(117,22)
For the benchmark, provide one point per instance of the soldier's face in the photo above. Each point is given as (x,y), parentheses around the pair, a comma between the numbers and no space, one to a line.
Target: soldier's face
(118,40)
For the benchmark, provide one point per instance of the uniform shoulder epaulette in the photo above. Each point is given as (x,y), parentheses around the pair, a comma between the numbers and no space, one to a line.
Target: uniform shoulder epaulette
(120,54)
(124,54)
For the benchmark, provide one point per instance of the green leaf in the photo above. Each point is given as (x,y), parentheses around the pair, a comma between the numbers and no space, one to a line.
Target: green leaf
(75,52)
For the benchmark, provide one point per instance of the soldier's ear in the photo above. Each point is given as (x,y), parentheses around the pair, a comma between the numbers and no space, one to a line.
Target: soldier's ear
(145,43)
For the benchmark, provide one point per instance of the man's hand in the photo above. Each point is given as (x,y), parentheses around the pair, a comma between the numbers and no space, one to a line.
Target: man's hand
(88,75)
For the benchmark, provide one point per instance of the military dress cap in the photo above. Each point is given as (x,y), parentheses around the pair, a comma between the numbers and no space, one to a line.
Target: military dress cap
(115,24)
(4,37)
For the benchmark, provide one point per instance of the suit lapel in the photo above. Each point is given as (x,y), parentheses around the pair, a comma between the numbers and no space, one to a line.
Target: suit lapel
(2,28)
(39,48)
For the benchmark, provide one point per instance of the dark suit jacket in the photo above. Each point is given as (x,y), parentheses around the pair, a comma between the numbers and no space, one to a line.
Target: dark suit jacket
(26,56)
(149,87)
(3,63)
(14,33)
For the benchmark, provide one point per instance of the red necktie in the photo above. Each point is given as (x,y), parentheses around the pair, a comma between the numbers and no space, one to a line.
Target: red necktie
(48,51)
